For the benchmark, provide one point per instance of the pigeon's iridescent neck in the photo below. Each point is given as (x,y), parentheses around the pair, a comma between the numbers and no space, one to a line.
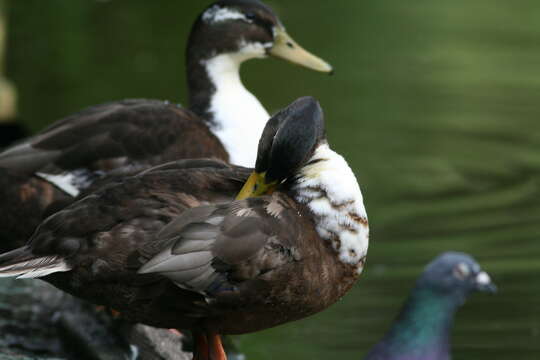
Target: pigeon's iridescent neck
(422,329)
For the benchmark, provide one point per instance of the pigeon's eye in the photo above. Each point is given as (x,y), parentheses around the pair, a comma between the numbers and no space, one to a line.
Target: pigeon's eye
(462,271)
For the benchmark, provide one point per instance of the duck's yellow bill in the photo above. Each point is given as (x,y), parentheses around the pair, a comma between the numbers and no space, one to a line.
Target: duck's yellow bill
(256,185)
(288,49)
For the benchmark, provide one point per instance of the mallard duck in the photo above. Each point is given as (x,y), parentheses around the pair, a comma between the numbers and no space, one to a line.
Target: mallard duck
(171,247)
(224,120)
(422,329)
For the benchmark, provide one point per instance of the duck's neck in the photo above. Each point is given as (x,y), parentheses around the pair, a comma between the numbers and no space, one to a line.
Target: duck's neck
(216,93)
(422,329)
(328,187)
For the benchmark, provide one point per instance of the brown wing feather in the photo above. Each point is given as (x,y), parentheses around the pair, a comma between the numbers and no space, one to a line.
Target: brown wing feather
(115,134)
(112,222)
(118,138)
(24,202)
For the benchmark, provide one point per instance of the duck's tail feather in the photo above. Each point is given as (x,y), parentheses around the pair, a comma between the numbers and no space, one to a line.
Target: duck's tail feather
(21,263)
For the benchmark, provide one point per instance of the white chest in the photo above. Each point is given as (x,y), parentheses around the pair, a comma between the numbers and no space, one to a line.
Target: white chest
(330,190)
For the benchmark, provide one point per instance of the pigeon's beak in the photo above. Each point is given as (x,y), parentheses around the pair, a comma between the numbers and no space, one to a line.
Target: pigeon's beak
(483,283)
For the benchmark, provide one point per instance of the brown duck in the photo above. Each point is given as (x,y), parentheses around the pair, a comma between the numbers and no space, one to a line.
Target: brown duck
(126,136)
(171,247)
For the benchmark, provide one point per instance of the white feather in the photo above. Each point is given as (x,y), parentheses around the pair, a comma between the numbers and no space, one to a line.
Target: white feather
(64,182)
(337,212)
(274,208)
(134,352)
(35,268)
(217,14)
(238,115)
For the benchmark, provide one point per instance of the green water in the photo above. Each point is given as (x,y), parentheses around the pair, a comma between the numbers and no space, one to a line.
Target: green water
(436,105)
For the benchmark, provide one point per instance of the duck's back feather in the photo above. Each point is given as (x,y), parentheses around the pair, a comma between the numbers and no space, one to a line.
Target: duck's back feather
(114,134)
(86,150)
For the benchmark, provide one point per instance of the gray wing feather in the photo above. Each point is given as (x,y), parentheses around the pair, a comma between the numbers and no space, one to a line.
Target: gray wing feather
(166,262)
(205,235)
(198,231)
(190,245)
(210,246)
(239,239)
(187,275)
(203,281)
(25,158)
(172,230)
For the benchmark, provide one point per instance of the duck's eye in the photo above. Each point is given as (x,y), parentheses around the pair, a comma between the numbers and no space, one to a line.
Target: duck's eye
(462,271)
(250,16)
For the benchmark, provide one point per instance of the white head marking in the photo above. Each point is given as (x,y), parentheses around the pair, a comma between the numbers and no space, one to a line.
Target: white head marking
(217,14)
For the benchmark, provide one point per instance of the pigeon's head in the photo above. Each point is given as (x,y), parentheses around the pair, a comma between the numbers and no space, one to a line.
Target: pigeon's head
(455,274)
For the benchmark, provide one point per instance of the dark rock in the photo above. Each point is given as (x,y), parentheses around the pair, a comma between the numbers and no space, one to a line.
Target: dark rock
(39,322)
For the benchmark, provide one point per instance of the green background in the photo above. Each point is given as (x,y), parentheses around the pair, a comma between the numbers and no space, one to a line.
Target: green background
(435,104)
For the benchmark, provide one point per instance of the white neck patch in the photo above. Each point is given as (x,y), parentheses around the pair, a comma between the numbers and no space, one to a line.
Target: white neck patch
(239,118)
(217,14)
(330,190)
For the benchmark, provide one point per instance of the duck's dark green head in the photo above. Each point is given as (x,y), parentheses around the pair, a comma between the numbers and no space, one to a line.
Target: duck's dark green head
(287,143)
(454,273)
(246,29)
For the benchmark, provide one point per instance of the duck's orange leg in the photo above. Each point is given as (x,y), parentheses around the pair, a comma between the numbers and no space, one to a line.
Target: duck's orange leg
(216,347)
(200,343)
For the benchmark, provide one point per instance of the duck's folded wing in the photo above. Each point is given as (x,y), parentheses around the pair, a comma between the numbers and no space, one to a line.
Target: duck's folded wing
(215,248)
(133,129)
